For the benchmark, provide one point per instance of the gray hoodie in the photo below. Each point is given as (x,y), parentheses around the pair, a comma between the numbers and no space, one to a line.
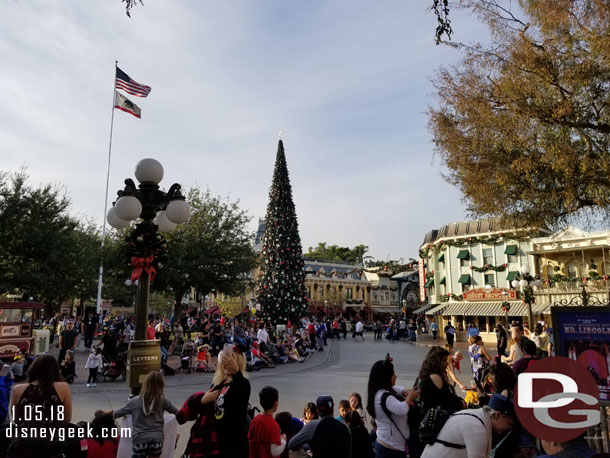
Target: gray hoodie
(147,423)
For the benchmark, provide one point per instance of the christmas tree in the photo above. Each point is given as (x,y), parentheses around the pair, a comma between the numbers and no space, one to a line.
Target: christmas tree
(281,292)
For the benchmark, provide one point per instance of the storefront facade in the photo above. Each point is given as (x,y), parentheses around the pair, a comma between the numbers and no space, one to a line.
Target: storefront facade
(467,267)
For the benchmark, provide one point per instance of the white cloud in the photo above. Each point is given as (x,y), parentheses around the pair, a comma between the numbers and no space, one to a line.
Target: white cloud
(346,81)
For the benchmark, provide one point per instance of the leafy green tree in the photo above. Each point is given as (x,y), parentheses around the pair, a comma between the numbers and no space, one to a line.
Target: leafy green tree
(117,269)
(212,251)
(231,306)
(282,279)
(44,252)
(523,122)
(323,252)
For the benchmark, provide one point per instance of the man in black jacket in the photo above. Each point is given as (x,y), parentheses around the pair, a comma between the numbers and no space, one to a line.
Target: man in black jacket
(326,437)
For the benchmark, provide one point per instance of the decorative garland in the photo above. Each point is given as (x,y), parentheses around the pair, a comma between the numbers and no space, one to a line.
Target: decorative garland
(460,243)
(445,297)
(488,267)
(506,306)
(528,295)
(141,236)
(560,278)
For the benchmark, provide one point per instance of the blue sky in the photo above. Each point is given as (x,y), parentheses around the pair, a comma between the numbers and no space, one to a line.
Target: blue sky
(347,83)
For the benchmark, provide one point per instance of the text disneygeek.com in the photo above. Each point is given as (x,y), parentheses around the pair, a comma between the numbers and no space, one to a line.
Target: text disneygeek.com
(63,433)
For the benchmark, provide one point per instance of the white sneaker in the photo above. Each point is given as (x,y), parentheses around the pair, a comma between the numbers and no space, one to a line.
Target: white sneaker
(94,384)
(88,385)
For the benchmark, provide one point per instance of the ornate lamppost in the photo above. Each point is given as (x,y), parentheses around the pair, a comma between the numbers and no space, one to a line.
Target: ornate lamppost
(158,211)
(527,283)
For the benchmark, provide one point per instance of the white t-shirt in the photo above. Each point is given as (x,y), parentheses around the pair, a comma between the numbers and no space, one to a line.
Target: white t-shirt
(359,326)
(387,433)
(463,430)
(262,336)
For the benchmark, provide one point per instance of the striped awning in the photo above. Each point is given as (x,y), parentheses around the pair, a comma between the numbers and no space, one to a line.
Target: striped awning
(422,309)
(385,310)
(456,308)
(541,308)
(436,310)
(484,309)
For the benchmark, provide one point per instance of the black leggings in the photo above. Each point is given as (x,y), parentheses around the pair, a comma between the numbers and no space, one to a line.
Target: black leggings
(92,375)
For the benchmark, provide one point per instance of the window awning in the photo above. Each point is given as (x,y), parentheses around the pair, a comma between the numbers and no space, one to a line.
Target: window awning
(512,275)
(441,258)
(422,309)
(456,309)
(463,254)
(541,308)
(510,249)
(385,310)
(464,279)
(436,310)
(429,283)
(442,282)
(486,309)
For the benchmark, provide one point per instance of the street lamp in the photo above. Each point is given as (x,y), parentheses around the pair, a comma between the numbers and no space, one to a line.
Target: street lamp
(526,284)
(157,210)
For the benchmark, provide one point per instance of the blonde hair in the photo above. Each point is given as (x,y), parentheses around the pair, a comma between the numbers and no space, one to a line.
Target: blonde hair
(472,340)
(220,376)
(152,392)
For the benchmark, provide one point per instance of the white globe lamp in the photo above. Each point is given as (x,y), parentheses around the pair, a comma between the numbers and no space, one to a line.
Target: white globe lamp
(488,288)
(178,211)
(115,221)
(149,171)
(525,269)
(523,283)
(128,208)
(515,283)
(538,283)
(165,225)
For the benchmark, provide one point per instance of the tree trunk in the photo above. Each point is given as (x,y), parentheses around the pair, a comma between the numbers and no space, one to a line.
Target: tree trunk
(178,306)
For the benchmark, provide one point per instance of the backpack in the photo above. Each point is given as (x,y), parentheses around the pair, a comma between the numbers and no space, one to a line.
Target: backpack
(384,407)
(433,423)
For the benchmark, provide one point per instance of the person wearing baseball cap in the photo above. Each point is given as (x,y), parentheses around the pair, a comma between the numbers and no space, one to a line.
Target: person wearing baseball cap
(326,437)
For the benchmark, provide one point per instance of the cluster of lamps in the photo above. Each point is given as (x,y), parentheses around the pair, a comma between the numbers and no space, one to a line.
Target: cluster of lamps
(147,201)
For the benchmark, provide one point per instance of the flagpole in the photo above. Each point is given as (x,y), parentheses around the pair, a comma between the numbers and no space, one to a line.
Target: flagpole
(99,280)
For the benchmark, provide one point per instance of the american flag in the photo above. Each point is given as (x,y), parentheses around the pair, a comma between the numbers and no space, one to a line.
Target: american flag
(125,83)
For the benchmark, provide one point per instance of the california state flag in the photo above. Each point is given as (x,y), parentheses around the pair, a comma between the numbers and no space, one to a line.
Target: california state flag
(123,103)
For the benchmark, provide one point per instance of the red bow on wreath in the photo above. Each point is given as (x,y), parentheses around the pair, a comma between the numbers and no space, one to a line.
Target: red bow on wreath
(143,264)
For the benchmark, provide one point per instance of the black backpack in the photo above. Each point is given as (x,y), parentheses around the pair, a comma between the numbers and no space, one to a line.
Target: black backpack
(433,423)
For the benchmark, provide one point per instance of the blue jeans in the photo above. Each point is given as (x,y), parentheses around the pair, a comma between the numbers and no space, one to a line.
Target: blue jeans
(383,452)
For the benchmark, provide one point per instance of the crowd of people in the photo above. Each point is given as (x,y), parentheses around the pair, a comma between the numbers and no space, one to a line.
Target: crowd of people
(428,419)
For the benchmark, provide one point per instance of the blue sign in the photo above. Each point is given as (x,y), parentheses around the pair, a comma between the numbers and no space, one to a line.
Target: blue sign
(583,334)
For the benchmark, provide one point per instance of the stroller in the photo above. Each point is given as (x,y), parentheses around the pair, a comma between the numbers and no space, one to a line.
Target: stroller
(186,357)
(112,367)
